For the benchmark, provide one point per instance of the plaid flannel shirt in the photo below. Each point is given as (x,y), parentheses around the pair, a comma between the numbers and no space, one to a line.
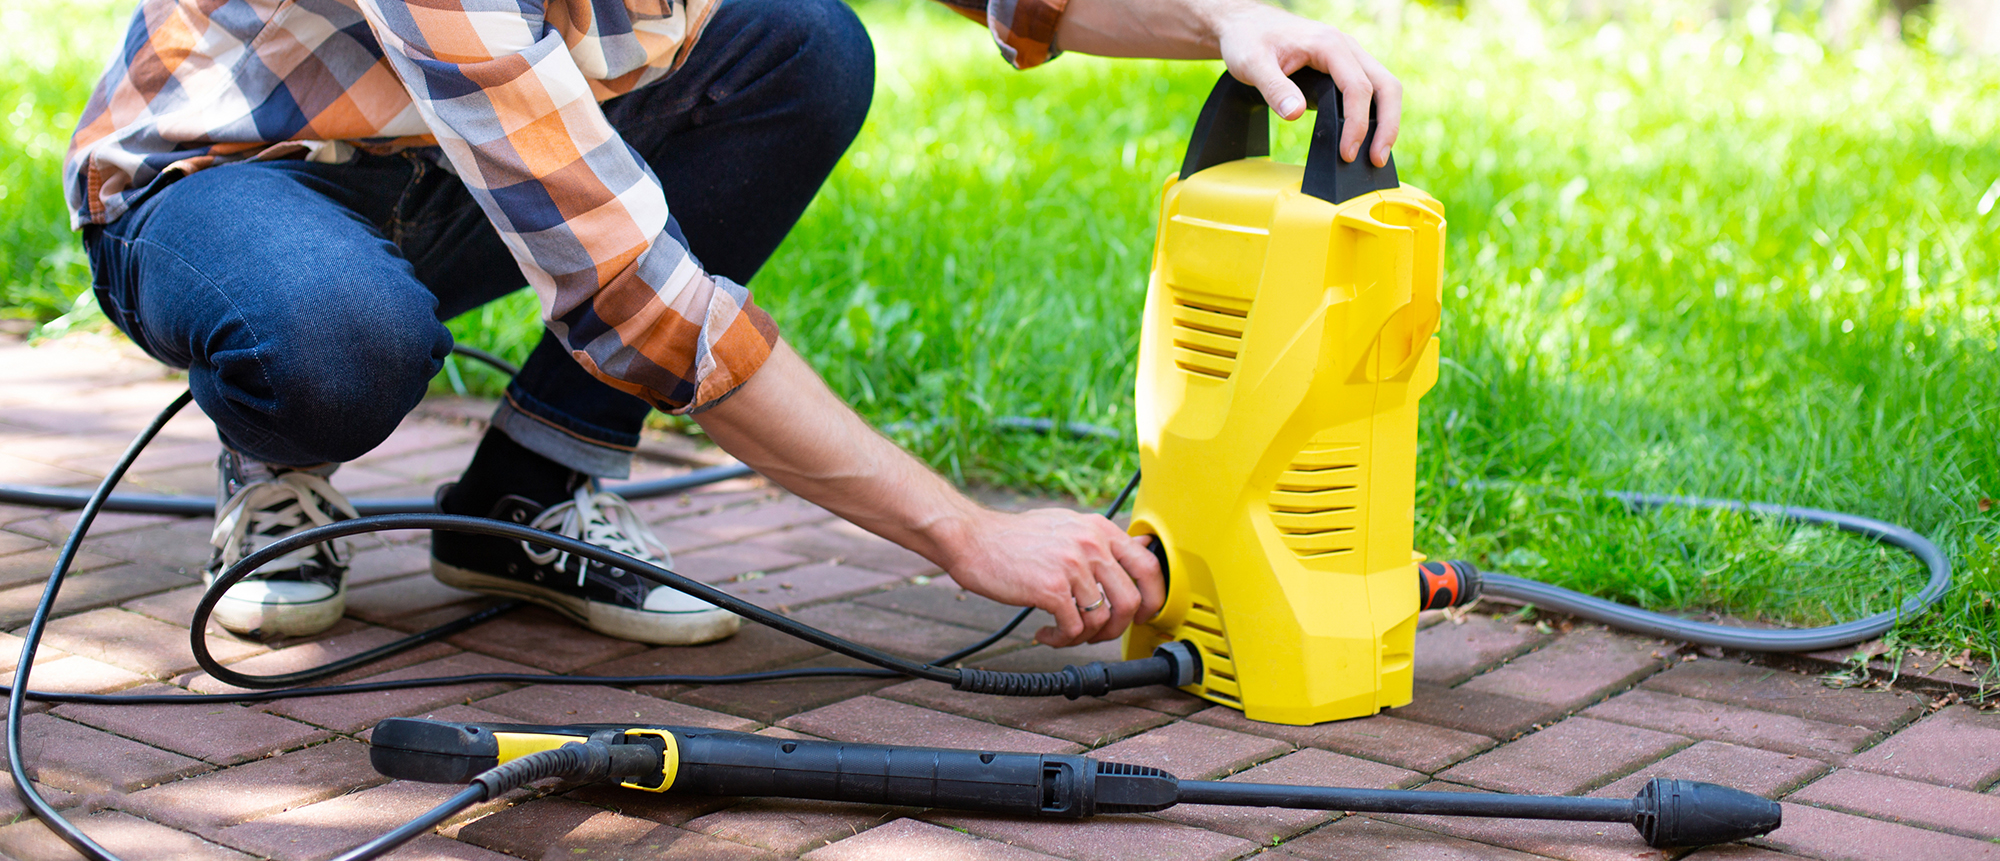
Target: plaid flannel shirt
(508,91)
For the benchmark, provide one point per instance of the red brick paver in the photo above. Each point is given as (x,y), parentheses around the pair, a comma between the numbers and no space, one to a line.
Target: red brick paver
(773,701)
(1724,722)
(1382,738)
(267,786)
(910,840)
(221,733)
(128,836)
(1577,669)
(1452,652)
(550,826)
(1106,838)
(1194,751)
(1572,756)
(77,758)
(580,704)
(1267,825)
(873,720)
(1955,747)
(1778,691)
(1749,769)
(1357,839)
(1865,773)
(1938,807)
(1468,710)
(791,827)
(1834,836)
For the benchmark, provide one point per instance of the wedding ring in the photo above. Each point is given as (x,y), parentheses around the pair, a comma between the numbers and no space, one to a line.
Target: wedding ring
(1094,604)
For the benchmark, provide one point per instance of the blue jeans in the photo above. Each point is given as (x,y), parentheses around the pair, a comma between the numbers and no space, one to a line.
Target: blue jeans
(305,300)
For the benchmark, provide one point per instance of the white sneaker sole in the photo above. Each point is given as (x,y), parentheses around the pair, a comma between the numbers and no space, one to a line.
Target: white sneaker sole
(639,626)
(269,621)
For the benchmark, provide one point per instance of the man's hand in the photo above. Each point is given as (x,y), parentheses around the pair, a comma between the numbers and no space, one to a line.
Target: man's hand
(1261,44)
(1061,562)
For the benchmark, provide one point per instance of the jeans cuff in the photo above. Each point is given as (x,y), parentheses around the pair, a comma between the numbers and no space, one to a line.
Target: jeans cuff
(538,435)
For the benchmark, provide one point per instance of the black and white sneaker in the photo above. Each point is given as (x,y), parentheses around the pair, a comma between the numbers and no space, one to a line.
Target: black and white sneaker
(608,600)
(303,592)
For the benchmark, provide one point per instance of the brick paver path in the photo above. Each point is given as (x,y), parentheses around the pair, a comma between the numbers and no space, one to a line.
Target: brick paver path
(1501,705)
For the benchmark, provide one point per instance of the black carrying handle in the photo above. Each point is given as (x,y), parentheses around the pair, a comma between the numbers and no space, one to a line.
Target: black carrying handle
(1235,124)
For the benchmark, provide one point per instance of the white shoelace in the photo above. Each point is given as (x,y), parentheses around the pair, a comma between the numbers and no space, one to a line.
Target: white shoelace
(603,519)
(285,504)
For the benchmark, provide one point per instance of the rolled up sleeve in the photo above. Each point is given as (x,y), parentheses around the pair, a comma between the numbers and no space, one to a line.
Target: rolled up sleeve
(581,212)
(1025,30)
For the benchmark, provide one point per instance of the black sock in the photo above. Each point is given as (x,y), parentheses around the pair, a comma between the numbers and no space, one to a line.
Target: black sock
(502,467)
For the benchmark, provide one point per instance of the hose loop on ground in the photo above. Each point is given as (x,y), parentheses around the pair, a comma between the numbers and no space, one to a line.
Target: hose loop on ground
(1661,625)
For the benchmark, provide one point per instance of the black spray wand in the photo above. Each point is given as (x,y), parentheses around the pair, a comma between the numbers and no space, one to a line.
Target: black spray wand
(697,761)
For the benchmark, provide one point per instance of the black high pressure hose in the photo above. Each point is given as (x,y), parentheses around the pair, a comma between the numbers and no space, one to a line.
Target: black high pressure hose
(1170,665)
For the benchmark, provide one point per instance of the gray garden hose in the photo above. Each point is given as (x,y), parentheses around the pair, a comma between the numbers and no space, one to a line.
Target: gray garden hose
(1668,627)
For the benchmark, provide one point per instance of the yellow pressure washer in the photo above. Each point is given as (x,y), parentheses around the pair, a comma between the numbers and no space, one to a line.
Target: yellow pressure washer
(1289,332)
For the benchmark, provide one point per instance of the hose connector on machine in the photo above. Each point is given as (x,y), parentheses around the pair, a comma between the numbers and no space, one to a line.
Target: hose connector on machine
(1173,664)
(1450,583)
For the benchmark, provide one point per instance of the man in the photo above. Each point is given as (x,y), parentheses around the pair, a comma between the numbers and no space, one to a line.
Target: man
(285,197)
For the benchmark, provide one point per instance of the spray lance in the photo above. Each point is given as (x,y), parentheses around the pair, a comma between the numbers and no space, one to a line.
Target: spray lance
(695,761)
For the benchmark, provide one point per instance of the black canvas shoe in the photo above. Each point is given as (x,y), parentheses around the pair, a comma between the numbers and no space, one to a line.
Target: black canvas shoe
(303,592)
(608,600)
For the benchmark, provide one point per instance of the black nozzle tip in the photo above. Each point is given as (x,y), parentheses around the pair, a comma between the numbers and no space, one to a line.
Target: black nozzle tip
(1671,812)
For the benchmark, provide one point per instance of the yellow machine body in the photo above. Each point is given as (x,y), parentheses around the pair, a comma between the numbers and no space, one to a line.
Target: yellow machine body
(1285,344)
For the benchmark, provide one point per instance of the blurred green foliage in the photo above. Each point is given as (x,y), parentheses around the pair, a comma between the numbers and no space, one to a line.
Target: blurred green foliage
(51,54)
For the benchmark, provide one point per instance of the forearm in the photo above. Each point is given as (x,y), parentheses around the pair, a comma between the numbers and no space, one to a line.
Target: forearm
(786,423)
(1163,29)
(788,426)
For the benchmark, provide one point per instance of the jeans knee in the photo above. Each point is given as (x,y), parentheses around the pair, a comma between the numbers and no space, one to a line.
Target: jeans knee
(819,54)
(317,389)
(841,59)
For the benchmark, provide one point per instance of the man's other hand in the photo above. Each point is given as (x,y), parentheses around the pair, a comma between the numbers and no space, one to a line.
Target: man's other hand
(1263,45)
(1061,562)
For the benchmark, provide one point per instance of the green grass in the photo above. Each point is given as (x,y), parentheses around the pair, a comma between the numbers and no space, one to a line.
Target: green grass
(1693,259)
(52,53)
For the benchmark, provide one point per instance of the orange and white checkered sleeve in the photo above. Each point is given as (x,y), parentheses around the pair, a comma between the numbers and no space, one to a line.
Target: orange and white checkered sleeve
(583,215)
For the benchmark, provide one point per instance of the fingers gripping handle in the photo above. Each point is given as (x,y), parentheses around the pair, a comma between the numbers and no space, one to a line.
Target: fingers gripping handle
(1235,124)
